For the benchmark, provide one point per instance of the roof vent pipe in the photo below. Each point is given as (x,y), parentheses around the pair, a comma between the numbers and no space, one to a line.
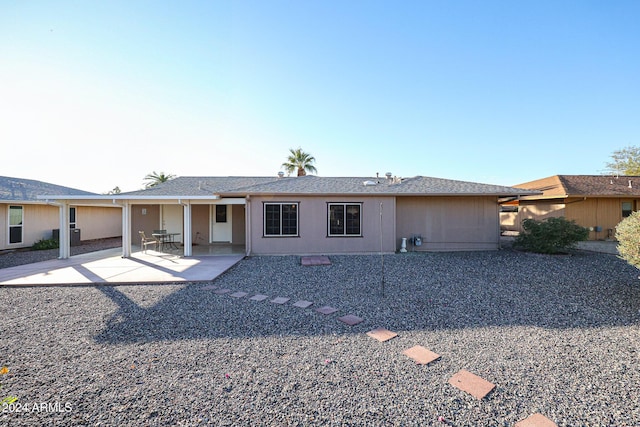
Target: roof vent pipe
(280,174)
(388,175)
(630,184)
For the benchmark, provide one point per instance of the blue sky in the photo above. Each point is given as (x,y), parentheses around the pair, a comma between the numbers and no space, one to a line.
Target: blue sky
(96,94)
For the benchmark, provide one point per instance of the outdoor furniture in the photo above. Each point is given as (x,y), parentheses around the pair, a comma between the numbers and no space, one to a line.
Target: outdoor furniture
(165,238)
(146,241)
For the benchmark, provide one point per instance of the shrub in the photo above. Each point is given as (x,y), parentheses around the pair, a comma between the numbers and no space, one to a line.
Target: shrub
(628,236)
(550,236)
(45,244)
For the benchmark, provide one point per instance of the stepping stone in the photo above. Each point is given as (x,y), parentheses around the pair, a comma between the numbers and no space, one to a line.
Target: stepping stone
(422,355)
(536,420)
(222,291)
(472,384)
(239,294)
(350,319)
(326,310)
(209,287)
(315,260)
(280,300)
(382,334)
(303,304)
(259,297)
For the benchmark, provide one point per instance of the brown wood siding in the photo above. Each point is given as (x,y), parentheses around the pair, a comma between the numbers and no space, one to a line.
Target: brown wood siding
(605,213)
(512,221)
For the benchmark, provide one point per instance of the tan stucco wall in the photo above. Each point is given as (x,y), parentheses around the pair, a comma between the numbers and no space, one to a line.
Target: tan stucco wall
(312,227)
(98,223)
(147,222)
(449,223)
(39,221)
(238,224)
(200,224)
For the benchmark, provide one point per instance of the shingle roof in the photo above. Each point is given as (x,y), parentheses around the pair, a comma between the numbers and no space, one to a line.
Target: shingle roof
(27,190)
(585,185)
(311,184)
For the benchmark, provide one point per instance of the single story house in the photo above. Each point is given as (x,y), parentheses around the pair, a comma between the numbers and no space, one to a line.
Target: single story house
(26,219)
(313,215)
(598,202)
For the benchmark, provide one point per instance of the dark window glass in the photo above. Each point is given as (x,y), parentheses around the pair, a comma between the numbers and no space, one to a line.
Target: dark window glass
(281,219)
(221,213)
(627,209)
(345,219)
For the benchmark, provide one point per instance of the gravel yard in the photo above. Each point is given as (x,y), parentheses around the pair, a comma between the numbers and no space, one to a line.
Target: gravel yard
(558,335)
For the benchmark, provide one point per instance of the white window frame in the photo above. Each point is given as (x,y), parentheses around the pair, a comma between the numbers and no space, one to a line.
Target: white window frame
(10,226)
(72,224)
(280,226)
(344,219)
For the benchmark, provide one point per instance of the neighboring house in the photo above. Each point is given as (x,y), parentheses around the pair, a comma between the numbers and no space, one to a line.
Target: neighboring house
(314,215)
(26,219)
(597,202)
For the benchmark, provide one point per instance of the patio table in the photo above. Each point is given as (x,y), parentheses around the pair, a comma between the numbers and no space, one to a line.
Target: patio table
(166,238)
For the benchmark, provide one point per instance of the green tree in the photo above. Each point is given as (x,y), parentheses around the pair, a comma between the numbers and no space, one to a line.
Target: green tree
(300,161)
(550,236)
(625,161)
(628,235)
(155,178)
(116,190)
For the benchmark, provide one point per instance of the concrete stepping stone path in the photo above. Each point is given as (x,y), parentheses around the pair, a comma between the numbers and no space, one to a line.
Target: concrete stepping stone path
(303,304)
(474,385)
(326,310)
(382,334)
(350,319)
(536,420)
(421,355)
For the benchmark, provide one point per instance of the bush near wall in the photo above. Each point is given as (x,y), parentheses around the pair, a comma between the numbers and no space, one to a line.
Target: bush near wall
(550,236)
(628,237)
(45,244)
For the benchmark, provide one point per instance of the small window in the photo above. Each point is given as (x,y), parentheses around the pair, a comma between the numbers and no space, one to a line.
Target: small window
(72,217)
(281,219)
(627,209)
(221,213)
(345,219)
(15,224)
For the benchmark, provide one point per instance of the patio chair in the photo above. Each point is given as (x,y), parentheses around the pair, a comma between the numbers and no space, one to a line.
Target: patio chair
(146,241)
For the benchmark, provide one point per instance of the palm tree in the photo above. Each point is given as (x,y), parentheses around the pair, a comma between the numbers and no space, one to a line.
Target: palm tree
(157,178)
(301,161)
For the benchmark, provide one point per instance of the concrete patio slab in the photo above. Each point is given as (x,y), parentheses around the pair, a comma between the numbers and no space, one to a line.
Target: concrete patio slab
(108,266)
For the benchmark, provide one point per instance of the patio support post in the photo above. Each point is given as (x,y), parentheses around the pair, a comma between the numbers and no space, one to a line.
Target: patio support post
(126,230)
(187,228)
(65,242)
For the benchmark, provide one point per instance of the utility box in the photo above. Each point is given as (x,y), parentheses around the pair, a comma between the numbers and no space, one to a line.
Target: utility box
(74,236)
